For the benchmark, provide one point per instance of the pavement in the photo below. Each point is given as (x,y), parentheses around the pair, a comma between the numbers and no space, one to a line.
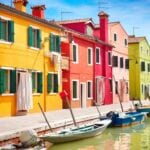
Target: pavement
(11,127)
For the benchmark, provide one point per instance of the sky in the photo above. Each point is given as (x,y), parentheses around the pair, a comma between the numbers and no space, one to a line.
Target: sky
(134,15)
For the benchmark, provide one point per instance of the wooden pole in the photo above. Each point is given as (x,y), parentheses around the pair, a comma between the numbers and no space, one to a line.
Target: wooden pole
(45,117)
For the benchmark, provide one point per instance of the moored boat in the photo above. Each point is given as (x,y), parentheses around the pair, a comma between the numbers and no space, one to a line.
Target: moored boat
(144,109)
(77,133)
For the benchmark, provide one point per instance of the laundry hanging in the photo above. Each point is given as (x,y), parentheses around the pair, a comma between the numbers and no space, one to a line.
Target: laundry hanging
(24,92)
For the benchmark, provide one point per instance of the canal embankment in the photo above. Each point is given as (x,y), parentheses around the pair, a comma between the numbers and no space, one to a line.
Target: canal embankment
(11,127)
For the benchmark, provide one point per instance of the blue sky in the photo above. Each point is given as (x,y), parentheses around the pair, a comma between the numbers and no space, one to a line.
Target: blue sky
(131,13)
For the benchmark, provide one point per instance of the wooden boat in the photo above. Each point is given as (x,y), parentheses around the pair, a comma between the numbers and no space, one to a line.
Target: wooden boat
(126,118)
(144,109)
(77,133)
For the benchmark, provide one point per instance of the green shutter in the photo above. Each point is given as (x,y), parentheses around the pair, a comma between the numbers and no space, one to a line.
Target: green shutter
(52,42)
(2,81)
(30,37)
(39,38)
(39,82)
(12,81)
(33,81)
(57,44)
(49,83)
(55,83)
(1,29)
(11,31)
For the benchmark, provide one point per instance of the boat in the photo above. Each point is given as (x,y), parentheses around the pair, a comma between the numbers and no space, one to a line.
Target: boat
(77,133)
(144,109)
(120,119)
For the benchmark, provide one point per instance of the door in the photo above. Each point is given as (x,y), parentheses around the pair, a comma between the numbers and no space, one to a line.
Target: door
(83,94)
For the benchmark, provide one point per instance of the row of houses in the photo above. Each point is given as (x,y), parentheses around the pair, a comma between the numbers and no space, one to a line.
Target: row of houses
(91,62)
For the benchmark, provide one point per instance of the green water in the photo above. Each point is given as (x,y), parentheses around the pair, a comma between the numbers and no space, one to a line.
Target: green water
(128,138)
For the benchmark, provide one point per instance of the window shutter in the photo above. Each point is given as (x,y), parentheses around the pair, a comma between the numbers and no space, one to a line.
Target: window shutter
(51,43)
(121,62)
(115,61)
(143,66)
(39,81)
(33,81)
(11,31)
(30,37)
(55,83)
(49,83)
(1,29)
(12,81)
(39,38)
(2,81)
(58,44)
(127,63)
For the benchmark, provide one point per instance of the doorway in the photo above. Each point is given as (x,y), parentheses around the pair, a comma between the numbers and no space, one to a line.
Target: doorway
(83,94)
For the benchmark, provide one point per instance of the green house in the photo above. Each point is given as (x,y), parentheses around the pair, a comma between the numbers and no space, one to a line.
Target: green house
(139,68)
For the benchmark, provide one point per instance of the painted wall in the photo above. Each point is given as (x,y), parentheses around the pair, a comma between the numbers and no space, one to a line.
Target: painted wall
(19,55)
(120,50)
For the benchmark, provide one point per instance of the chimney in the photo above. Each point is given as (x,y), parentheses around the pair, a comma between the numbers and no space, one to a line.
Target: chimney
(103,22)
(20,4)
(38,11)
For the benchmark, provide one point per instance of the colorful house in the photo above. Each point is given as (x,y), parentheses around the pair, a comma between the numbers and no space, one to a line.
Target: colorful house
(88,66)
(30,68)
(139,69)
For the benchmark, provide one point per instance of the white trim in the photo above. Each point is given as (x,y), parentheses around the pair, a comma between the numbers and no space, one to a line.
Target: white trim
(91,49)
(5,18)
(7,94)
(5,42)
(34,27)
(90,81)
(34,48)
(77,81)
(77,53)
(7,68)
(99,55)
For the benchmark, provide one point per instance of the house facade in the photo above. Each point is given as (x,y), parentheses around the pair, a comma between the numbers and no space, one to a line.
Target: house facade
(30,68)
(139,69)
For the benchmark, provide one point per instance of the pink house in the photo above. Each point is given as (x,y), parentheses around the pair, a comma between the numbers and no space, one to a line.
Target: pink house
(94,56)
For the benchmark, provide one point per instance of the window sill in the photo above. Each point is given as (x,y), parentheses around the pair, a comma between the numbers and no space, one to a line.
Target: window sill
(75,99)
(52,93)
(5,42)
(7,94)
(34,48)
(36,94)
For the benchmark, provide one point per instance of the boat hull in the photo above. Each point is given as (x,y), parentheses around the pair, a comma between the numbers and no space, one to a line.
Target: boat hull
(144,109)
(76,133)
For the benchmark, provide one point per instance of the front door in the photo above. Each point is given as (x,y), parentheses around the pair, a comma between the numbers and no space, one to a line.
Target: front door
(83,94)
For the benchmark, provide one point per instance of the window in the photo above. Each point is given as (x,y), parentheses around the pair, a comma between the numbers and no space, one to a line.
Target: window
(115,37)
(54,43)
(116,87)
(52,83)
(121,62)
(75,89)
(125,42)
(148,67)
(89,86)
(115,61)
(34,37)
(142,66)
(90,56)
(75,53)
(142,88)
(98,56)
(127,63)
(7,81)
(110,83)
(36,82)
(109,58)
(127,87)
(6,30)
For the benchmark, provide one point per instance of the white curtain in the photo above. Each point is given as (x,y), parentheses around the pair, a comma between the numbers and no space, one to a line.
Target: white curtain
(100,90)
(24,92)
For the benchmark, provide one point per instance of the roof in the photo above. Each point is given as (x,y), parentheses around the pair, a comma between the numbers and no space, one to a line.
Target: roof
(110,24)
(133,39)
(29,16)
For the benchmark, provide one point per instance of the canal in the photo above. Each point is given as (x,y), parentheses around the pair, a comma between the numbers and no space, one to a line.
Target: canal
(136,137)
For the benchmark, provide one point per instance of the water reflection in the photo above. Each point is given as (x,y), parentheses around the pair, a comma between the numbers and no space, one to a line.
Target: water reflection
(130,138)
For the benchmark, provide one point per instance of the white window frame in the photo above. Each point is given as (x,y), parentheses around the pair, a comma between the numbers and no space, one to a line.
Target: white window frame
(91,96)
(91,57)
(99,62)
(77,81)
(109,52)
(77,53)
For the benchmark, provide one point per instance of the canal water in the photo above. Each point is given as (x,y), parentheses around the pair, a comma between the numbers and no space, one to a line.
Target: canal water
(136,137)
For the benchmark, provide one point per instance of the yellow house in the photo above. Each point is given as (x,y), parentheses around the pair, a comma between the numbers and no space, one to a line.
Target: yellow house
(30,70)
(139,69)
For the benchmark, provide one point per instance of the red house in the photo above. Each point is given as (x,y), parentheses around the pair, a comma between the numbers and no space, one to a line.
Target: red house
(89,75)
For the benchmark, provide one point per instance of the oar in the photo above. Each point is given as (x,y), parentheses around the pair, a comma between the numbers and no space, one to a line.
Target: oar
(64,95)
(45,117)
(97,109)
